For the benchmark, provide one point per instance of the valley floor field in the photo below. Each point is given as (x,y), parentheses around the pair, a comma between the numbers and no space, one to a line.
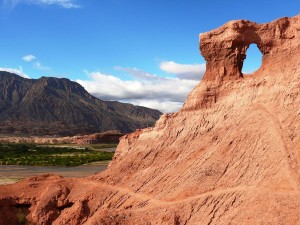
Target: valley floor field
(19,161)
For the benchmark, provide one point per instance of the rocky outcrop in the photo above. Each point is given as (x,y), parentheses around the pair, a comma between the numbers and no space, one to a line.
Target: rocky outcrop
(230,156)
(109,137)
(224,49)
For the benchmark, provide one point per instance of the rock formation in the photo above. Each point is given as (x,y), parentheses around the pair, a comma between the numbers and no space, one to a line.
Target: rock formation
(231,155)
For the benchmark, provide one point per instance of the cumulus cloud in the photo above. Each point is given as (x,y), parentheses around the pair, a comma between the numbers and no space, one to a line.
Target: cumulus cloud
(150,90)
(28,58)
(166,94)
(15,71)
(184,71)
(68,4)
(163,106)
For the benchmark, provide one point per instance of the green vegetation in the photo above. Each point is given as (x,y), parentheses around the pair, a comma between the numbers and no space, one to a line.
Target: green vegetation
(39,155)
(21,217)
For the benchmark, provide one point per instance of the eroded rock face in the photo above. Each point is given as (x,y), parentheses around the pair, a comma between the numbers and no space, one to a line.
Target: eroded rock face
(231,155)
(225,48)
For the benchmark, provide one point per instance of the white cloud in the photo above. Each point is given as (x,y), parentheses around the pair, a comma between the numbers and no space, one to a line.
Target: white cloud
(36,64)
(163,106)
(68,4)
(184,71)
(150,90)
(146,89)
(39,66)
(28,58)
(15,71)
(137,73)
(63,3)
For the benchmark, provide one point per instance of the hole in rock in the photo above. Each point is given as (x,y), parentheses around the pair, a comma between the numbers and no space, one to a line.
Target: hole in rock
(253,60)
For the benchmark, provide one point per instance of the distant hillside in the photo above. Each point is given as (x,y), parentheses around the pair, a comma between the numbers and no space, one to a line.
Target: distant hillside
(58,106)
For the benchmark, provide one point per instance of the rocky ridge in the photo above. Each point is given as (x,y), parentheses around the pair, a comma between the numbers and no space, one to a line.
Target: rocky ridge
(58,106)
(229,156)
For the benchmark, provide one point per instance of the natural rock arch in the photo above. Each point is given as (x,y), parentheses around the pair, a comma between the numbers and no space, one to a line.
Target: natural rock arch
(224,49)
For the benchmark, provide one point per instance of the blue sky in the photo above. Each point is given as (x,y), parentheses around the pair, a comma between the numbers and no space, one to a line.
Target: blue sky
(138,51)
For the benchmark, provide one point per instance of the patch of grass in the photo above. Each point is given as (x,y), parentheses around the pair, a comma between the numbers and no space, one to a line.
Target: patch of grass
(38,155)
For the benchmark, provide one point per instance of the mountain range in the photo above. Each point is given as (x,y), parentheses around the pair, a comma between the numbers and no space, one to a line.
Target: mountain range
(58,106)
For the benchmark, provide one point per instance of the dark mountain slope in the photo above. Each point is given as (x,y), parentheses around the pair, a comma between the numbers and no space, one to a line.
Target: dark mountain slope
(49,106)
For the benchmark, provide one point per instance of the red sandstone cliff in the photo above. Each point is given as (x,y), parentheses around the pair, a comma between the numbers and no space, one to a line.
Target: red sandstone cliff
(230,156)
